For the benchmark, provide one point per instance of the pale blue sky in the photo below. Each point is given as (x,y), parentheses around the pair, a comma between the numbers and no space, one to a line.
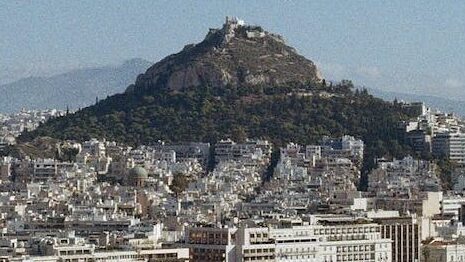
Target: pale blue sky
(409,46)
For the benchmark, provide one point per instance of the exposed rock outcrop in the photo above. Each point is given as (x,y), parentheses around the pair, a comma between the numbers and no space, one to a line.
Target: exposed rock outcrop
(235,55)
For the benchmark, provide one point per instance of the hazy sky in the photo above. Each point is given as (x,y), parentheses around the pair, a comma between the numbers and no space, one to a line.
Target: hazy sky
(408,46)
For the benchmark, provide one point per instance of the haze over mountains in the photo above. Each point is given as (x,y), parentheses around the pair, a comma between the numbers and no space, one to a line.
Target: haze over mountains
(75,89)
(86,84)
(80,88)
(434,102)
(208,60)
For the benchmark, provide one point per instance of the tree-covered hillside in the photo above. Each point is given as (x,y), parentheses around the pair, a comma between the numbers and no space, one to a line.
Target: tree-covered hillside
(205,114)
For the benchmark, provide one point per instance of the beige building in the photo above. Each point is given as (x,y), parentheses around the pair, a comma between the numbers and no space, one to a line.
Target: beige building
(405,235)
(211,244)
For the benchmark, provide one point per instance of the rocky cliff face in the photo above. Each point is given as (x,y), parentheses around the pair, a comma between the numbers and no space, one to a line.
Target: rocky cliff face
(235,55)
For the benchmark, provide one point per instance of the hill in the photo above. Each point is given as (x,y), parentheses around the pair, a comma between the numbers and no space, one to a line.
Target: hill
(234,56)
(77,88)
(292,104)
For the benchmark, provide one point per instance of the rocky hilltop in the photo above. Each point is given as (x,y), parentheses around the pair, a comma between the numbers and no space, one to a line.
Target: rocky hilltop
(235,55)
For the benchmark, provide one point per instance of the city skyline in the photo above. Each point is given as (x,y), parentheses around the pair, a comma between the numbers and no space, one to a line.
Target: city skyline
(232,132)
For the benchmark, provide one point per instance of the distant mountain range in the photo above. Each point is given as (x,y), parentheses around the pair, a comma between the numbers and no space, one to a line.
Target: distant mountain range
(434,102)
(79,88)
(75,89)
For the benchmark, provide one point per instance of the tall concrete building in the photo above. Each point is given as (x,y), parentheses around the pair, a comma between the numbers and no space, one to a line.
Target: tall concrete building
(405,235)
(211,244)
(450,145)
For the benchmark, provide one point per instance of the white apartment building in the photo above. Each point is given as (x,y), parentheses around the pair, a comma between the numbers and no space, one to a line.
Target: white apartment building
(450,145)
(255,245)
(228,150)
(93,147)
(331,241)
(324,239)
(453,206)
(80,254)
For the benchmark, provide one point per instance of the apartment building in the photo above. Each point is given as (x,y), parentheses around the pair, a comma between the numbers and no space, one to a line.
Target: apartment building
(211,244)
(323,239)
(450,145)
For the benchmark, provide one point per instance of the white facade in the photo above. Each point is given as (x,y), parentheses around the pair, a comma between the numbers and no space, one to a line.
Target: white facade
(71,254)
(351,242)
(324,239)
(451,145)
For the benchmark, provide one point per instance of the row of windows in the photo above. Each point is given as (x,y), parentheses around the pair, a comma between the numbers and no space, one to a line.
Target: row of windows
(356,248)
(297,240)
(132,257)
(261,258)
(259,235)
(210,238)
(297,250)
(339,233)
(74,252)
(296,256)
(205,250)
(258,250)
(349,230)
(355,257)
(347,237)
(259,238)
(209,257)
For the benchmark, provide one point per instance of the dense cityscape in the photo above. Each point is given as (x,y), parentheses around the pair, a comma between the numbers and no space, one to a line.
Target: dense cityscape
(234,149)
(196,201)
